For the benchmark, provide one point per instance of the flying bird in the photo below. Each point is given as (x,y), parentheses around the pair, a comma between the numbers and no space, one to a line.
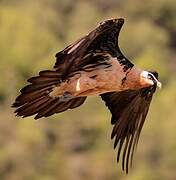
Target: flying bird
(94,65)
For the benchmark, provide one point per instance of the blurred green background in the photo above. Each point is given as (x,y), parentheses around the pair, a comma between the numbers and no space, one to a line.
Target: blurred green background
(76,145)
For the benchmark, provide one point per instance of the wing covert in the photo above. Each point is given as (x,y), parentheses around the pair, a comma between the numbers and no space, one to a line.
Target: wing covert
(72,57)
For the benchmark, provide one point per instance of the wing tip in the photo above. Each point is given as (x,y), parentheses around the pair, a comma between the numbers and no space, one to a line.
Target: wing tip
(113,21)
(14,105)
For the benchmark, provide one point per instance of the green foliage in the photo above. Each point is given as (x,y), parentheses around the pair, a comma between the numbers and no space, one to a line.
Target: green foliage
(76,144)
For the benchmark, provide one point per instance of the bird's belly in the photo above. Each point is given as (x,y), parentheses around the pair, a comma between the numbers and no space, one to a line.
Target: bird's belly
(97,82)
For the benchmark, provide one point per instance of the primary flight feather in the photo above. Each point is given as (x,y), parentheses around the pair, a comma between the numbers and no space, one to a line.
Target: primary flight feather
(94,65)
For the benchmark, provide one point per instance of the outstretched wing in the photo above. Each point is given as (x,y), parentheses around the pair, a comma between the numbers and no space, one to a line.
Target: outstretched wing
(90,48)
(129,110)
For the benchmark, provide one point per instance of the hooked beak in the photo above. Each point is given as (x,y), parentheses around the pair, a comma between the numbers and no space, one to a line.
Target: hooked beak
(159,85)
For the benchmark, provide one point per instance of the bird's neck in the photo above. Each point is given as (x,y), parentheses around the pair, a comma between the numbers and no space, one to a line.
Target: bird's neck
(133,79)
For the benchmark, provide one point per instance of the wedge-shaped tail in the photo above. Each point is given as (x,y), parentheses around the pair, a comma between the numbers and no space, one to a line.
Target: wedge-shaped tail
(35,99)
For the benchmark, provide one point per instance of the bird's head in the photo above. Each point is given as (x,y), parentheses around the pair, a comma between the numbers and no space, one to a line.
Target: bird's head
(150,78)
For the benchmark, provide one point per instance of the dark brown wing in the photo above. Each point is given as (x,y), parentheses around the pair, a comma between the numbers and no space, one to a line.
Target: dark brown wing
(102,40)
(129,109)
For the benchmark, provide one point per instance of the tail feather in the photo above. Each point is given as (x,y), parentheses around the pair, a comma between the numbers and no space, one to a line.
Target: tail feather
(35,99)
(59,106)
(31,108)
(35,103)
(41,79)
(34,87)
(48,73)
(47,108)
(28,97)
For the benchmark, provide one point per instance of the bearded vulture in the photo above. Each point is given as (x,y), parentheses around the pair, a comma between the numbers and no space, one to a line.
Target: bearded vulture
(94,65)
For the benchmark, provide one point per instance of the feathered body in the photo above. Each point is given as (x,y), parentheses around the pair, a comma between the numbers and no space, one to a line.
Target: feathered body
(94,65)
(100,78)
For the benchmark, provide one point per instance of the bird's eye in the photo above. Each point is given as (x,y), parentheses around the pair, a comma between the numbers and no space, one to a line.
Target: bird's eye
(150,77)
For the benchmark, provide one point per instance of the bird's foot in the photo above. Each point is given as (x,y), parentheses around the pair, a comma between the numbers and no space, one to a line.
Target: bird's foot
(65,97)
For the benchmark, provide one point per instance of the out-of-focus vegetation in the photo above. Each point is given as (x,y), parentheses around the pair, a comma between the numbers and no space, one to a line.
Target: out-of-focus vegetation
(76,144)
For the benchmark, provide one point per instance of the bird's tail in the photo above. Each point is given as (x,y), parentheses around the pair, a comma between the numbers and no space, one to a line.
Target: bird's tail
(35,99)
